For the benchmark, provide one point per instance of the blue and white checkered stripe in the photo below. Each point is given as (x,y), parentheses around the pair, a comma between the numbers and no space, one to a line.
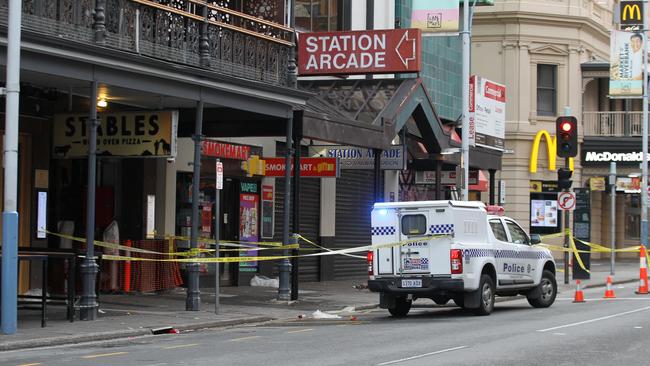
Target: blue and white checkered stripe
(382,230)
(441,229)
(477,253)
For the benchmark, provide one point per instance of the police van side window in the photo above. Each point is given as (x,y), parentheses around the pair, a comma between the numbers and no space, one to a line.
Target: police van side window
(414,225)
(517,234)
(498,230)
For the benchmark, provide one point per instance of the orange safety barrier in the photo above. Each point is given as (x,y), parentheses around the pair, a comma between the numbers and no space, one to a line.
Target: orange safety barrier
(643,272)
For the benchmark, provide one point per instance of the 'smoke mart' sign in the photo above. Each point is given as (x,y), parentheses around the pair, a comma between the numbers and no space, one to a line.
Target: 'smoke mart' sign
(124,134)
(359,52)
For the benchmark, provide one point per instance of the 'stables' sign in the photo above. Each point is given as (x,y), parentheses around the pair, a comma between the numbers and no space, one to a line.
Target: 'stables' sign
(122,134)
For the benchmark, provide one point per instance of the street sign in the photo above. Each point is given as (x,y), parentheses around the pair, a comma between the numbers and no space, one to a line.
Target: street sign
(219,169)
(359,52)
(566,201)
(309,167)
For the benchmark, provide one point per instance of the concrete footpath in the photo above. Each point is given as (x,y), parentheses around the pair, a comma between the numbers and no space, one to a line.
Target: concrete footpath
(135,315)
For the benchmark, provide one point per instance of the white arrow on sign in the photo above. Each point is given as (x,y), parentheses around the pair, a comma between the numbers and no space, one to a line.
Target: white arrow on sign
(405,38)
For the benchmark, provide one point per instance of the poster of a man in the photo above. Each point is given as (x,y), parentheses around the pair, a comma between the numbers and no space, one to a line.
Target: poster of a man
(636,59)
(626,64)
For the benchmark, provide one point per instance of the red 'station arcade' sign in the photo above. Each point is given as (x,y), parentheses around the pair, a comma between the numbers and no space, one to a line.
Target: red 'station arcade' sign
(359,52)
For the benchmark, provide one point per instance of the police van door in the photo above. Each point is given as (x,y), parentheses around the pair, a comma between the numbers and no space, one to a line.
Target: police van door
(414,257)
(503,252)
(524,265)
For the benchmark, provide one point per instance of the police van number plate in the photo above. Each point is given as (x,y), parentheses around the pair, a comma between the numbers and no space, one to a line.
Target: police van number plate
(411,283)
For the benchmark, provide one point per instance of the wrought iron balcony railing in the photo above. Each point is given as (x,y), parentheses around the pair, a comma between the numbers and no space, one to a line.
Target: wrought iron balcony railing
(612,123)
(190,32)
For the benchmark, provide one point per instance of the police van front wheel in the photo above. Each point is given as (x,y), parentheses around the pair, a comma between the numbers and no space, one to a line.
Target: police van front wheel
(402,307)
(544,294)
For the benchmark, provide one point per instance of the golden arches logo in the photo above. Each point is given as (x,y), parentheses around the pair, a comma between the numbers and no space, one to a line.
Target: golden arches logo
(551,151)
(631,12)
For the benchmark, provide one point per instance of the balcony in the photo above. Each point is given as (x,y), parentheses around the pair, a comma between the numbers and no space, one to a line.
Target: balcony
(187,32)
(612,123)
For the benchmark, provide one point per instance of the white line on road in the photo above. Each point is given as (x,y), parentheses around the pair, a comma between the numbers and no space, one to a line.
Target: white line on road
(595,320)
(601,299)
(420,356)
(182,346)
(300,331)
(243,338)
(105,355)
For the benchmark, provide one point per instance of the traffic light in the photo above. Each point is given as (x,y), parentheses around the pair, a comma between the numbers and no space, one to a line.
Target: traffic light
(564,178)
(566,130)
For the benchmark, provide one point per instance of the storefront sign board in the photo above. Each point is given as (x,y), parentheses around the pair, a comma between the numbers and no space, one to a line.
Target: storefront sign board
(359,52)
(352,157)
(487,113)
(248,214)
(447,178)
(225,150)
(309,167)
(121,134)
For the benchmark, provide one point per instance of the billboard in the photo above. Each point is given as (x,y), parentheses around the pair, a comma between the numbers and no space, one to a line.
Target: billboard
(441,16)
(487,113)
(626,64)
(359,52)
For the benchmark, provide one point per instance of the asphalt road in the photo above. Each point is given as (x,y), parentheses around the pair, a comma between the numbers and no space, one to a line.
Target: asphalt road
(599,332)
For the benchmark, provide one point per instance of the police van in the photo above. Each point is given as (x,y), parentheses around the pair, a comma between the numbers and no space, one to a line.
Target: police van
(455,250)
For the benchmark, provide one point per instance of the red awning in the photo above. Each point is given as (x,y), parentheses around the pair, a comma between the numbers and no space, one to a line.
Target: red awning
(482,185)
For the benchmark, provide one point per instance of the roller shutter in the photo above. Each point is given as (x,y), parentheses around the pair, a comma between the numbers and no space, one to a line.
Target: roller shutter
(354,200)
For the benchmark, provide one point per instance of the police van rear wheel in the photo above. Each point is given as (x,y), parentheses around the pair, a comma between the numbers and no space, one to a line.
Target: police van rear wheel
(486,296)
(402,307)
(545,292)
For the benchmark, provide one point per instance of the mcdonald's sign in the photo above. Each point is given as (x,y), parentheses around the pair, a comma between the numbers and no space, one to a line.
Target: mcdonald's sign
(631,14)
(550,151)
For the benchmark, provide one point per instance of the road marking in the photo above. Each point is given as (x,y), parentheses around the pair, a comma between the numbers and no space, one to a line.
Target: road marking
(638,327)
(341,325)
(182,346)
(31,364)
(420,356)
(300,331)
(601,299)
(243,338)
(560,334)
(105,355)
(595,320)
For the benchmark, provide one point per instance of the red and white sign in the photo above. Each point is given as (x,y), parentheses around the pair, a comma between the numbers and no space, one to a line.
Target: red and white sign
(566,201)
(267,193)
(487,113)
(309,167)
(359,52)
(225,151)
(218,167)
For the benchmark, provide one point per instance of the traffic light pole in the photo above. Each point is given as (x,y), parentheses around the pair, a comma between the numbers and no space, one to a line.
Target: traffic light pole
(567,239)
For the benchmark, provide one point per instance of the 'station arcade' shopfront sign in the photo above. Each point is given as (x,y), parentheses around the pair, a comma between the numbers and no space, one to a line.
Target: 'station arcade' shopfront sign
(123,134)
(359,52)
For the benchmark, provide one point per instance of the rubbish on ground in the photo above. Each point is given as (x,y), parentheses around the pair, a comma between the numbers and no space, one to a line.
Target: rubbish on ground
(263,281)
(321,315)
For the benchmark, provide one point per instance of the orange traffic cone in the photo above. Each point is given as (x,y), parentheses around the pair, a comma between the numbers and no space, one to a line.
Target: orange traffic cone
(579,296)
(643,273)
(609,292)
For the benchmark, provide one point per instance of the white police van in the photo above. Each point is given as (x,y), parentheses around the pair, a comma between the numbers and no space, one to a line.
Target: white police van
(456,250)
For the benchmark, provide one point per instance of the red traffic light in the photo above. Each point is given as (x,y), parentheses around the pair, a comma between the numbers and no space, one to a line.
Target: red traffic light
(566,126)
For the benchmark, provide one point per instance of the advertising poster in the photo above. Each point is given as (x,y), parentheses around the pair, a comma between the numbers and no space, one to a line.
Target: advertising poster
(441,16)
(626,64)
(487,113)
(248,229)
(543,213)
(268,211)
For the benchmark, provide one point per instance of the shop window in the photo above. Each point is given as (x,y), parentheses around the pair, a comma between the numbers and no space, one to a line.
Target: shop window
(632,216)
(414,225)
(318,15)
(546,90)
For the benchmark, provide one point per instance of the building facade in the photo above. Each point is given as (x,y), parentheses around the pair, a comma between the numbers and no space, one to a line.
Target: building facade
(537,50)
